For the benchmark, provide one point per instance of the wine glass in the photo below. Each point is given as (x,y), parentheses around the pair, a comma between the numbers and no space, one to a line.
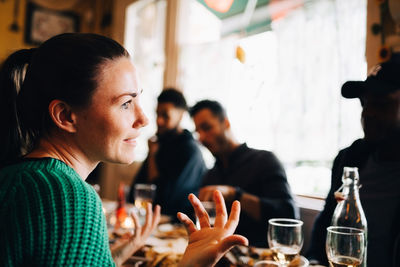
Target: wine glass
(143,193)
(285,238)
(345,246)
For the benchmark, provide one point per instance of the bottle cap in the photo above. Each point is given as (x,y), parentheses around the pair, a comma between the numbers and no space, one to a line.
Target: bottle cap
(350,174)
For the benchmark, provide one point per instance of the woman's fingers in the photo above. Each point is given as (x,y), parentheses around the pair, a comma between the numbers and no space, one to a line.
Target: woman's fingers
(190,227)
(138,227)
(233,217)
(201,213)
(231,241)
(152,220)
(149,213)
(156,216)
(149,220)
(220,208)
(206,246)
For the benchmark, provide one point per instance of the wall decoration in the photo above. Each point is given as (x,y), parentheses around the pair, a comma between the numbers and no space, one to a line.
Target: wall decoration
(386,29)
(14,27)
(43,23)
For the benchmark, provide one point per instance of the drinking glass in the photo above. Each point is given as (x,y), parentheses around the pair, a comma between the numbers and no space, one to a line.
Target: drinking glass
(209,206)
(143,193)
(285,238)
(344,246)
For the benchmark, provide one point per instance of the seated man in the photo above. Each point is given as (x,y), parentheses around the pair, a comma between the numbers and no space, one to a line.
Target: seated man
(174,163)
(377,157)
(254,177)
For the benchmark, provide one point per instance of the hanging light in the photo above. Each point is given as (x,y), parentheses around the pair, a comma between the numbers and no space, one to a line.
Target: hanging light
(240,54)
(219,5)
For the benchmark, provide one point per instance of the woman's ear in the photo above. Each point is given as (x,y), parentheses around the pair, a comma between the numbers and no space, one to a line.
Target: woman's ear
(62,115)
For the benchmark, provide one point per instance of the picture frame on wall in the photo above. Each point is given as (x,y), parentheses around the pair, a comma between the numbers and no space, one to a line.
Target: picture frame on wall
(43,23)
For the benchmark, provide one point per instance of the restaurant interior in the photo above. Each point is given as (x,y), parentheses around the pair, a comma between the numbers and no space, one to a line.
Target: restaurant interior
(277,66)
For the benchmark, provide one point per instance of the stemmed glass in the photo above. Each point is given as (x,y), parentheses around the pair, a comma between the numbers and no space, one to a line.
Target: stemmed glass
(345,246)
(285,238)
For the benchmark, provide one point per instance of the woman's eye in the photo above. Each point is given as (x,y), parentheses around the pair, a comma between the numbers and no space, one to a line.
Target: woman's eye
(126,104)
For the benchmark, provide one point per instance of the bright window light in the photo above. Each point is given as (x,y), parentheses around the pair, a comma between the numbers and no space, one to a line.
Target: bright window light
(285,97)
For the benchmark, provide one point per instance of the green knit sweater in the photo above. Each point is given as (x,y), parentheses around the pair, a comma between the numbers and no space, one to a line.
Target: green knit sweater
(50,217)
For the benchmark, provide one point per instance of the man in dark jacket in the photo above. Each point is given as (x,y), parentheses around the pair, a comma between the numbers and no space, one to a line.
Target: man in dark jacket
(254,177)
(377,157)
(174,163)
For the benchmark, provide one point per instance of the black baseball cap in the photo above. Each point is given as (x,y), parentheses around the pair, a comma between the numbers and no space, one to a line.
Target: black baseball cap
(382,79)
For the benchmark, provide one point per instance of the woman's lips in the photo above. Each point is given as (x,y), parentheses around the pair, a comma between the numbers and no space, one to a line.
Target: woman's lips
(131,141)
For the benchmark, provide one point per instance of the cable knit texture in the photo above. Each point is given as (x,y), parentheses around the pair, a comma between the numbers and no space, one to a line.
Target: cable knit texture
(49,216)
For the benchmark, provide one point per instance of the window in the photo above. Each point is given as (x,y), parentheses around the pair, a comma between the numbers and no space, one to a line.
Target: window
(285,97)
(144,39)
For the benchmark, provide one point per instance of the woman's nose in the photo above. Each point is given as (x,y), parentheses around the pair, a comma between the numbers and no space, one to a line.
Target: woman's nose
(141,119)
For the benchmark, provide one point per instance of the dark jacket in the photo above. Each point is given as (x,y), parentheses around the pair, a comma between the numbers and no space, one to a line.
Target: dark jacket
(357,155)
(180,167)
(260,173)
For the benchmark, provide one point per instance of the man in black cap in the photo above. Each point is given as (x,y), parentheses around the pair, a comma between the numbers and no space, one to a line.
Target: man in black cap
(377,157)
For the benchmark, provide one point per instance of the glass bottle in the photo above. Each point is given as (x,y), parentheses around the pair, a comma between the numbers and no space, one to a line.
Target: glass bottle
(349,212)
(121,210)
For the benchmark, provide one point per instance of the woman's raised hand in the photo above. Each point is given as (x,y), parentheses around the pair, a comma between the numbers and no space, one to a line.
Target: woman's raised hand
(143,232)
(137,240)
(209,243)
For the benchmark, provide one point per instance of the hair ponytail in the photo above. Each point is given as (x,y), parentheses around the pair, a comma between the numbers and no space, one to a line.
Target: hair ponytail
(65,67)
(12,75)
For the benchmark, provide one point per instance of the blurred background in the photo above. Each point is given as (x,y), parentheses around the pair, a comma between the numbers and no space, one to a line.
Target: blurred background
(276,65)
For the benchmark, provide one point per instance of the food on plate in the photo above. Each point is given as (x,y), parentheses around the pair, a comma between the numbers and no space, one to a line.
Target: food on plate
(170,259)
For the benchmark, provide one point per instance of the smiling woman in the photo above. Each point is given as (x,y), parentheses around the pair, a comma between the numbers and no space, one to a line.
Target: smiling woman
(66,106)
(116,111)
(60,123)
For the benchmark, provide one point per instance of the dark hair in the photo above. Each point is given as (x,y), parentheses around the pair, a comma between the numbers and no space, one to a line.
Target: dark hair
(65,67)
(214,106)
(171,95)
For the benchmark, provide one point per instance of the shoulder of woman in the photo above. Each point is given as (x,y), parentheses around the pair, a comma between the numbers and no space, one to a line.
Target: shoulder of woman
(52,180)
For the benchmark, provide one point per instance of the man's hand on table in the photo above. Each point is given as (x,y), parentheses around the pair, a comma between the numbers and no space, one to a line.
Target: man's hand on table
(207,193)
(208,244)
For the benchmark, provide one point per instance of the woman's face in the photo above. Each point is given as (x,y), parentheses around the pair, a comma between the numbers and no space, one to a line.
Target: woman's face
(108,128)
